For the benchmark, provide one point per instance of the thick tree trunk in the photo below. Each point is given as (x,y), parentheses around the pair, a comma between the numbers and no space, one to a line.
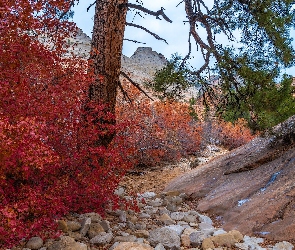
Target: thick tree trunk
(106,51)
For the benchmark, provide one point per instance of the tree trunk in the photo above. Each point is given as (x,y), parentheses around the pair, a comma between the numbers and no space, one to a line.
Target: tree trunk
(106,51)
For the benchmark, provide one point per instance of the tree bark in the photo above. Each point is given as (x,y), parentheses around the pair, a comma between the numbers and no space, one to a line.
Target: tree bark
(106,51)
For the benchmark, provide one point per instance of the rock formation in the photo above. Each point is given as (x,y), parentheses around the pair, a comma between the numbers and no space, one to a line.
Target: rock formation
(252,188)
(141,66)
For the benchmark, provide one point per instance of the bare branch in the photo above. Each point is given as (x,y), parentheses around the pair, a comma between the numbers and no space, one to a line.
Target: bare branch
(146,30)
(135,84)
(134,41)
(88,8)
(152,13)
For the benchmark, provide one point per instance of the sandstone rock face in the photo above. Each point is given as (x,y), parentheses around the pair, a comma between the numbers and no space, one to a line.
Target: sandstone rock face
(252,188)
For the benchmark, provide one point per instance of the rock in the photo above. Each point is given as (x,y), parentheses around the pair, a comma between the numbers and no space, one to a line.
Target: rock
(190,218)
(177,228)
(177,215)
(165,236)
(73,226)
(160,247)
(129,238)
(196,238)
(235,184)
(106,225)
(207,244)
(76,246)
(141,233)
(94,229)
(185,240)
(205,219)
(34,243)
(237,235)
(155,203)
(95,217)
(85,225)
(132,246)
(120,191)
(226,240)
(250,243)
(166,220)
(147,195)
(219,231)
(283,246)
(62,225)
(102,238)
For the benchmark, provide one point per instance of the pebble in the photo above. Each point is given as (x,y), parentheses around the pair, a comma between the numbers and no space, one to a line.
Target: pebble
(159,225)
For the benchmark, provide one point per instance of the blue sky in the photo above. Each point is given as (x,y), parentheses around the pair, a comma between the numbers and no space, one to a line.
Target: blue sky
(176,33)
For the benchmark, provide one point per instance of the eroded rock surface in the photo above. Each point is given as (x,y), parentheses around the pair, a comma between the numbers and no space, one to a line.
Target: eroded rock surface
(252,188)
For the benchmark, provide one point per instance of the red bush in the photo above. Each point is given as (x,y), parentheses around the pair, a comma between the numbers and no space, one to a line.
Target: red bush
(159,131)
(49,162)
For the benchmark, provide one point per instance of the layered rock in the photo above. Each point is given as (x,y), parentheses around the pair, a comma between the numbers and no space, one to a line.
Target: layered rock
(252,188)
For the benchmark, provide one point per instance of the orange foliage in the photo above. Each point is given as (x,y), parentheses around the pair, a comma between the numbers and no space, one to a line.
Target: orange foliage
(231,135)
(158,131)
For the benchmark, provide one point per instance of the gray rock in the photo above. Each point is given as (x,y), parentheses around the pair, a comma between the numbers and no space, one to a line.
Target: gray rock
(205,226)
(95,217)
(165,236)
(190,218)
(131,226)
(177,200)
(85,225)
(150,210)
(120,191)
(160,247)
(106,225)
(177,228)
(205,219)
(140,226)
(122,216)
(196,238)
(144,216)
(219,231)
(155,203)
(34,243)
(102,239)
(283,246)
(129,238)
(177,215)
(147,195)
(172,207)
(250,243)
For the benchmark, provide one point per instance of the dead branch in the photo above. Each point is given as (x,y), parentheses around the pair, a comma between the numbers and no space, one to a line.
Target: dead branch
(135,84)
(146,30)
(157,14)
(134,41)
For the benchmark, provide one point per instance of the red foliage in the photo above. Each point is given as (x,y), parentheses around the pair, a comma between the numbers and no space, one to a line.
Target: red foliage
(159,131)
(49,163)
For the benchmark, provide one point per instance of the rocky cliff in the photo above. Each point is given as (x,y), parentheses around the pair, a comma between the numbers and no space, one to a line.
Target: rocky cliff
(141,66)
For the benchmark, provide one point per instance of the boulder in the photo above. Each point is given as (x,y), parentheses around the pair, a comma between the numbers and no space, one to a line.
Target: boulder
(167,237)
(251,188)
